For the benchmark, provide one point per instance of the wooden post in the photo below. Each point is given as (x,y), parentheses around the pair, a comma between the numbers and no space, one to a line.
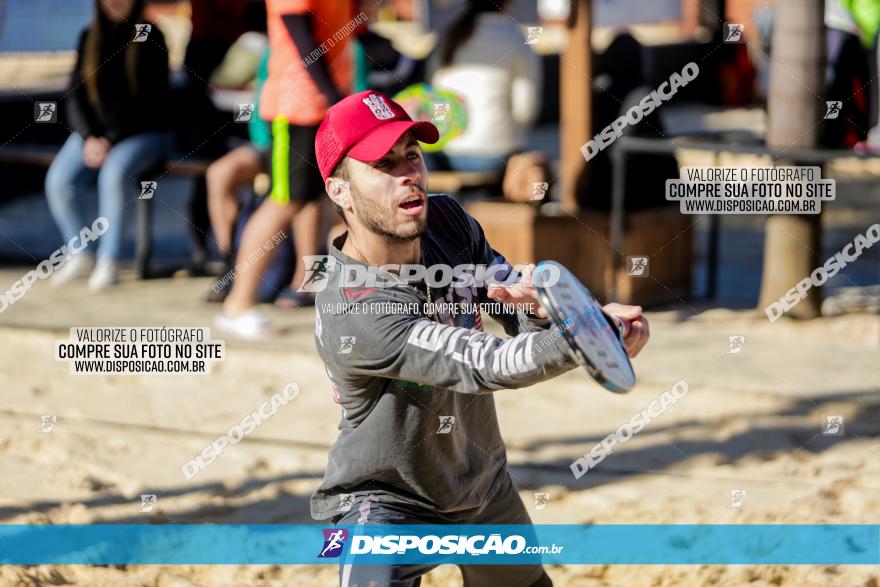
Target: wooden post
(575,71)
(792,247)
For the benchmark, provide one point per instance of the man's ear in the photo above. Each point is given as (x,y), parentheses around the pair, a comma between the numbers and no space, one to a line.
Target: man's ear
(339,191)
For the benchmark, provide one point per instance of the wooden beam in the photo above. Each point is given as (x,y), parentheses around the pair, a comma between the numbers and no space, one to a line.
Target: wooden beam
(576,100)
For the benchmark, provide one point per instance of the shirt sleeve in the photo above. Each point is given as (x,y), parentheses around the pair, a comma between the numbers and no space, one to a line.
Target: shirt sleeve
(300,27)
(410,347)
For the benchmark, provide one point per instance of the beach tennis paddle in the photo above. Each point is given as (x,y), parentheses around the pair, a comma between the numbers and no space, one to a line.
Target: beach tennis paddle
(595,338)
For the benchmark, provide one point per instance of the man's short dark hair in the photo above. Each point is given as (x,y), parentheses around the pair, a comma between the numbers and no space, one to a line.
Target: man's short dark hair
(341,172)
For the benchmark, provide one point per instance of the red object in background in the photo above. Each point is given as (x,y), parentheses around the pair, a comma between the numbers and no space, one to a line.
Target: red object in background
(855,134)
(737,78)
(220,20)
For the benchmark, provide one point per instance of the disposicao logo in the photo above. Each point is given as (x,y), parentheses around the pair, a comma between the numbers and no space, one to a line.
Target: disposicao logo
(334,540)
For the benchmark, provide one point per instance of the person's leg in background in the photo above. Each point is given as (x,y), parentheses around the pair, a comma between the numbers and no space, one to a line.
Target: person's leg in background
(225,177)
(306,238)
(252,257)
(118,186)
(67,180)
(306,185)
(199,224)
(296,181)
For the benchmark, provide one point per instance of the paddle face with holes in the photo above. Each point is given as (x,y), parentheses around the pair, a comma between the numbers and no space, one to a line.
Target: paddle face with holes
(593,336)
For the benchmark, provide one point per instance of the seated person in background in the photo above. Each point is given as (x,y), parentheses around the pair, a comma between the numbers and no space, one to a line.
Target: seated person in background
(483,59)
(117,107)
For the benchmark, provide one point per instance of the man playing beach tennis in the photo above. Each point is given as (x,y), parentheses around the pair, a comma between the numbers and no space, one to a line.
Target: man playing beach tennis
(419,440)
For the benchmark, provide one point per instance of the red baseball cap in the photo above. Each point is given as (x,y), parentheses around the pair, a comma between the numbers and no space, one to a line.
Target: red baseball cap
(365,126)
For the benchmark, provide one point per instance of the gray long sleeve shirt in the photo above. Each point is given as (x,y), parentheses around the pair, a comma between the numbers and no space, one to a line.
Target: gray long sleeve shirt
(418,420)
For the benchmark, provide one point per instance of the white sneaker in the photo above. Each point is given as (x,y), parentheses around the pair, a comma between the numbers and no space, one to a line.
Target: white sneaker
(74,268)
(106,273)
(251,325)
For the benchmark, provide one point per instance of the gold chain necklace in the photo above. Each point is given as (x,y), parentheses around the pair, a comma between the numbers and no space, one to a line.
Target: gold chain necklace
(427,293)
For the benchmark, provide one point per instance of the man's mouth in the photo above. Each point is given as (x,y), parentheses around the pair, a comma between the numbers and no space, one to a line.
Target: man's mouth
(413,204)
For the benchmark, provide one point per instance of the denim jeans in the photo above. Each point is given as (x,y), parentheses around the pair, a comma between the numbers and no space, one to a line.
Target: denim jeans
(117,181)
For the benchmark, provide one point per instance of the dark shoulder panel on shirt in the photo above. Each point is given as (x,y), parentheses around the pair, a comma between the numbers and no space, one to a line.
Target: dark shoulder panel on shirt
(447,220)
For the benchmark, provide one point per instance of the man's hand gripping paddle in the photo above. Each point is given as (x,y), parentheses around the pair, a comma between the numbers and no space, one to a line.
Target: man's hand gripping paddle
(594,337)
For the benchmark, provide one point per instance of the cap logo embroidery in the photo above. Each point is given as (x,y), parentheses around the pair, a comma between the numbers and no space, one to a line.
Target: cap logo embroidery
(378,107)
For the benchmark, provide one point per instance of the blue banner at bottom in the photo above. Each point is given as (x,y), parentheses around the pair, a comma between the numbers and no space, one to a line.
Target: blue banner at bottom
(793,544)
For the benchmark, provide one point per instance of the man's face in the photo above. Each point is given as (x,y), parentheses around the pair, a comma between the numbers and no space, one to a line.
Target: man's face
(388,196)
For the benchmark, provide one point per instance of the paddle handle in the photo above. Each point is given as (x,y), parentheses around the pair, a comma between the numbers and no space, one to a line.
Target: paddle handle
(622,326)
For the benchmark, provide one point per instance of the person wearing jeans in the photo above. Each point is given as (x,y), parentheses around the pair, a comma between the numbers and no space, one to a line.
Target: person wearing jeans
(118,183)
(117,107)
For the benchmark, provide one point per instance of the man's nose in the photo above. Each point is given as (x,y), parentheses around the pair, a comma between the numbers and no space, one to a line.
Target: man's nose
(411,173)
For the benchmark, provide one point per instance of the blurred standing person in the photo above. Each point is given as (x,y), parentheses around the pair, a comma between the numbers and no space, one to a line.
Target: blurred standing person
(851,68)
(310,69)
(484,59)
(377,64)
(866,14)
(847,78)
(116,107)
(216,24)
